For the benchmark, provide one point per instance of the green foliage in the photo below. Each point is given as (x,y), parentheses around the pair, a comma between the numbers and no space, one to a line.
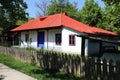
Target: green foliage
(58,53)
(91,13)
(12,11)
(107,18)
(60,6)
(111,2)
(111,19)
(20,22)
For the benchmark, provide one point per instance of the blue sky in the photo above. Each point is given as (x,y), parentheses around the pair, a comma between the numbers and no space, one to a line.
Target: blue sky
(33,10)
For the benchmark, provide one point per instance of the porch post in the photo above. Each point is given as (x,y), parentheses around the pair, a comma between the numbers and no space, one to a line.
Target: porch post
(47,38)
(13,39)
(19,37)
(83,46)
(100,48)
(86,47)
(28,38)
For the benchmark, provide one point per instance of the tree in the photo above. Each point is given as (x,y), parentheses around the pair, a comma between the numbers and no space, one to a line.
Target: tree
(112,15)
(11,11)
(91,13)
(111,2)
(60,6)
(42,7)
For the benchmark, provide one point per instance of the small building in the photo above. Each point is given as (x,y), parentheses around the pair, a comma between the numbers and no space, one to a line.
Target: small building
(62,33)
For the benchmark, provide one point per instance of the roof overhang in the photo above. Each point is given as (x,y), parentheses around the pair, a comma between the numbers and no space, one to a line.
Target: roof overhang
(104,38)
(37,29)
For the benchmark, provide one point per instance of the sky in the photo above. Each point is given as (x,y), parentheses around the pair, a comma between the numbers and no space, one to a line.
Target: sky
(32,10)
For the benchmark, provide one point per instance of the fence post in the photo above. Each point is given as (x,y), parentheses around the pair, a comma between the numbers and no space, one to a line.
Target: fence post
(92,69)
(72,64)
(84,67)
(77,65)
(111,70)
(117,70)
(98,69)
(105,71)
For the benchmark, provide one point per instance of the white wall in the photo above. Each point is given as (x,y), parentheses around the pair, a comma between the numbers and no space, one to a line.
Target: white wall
(90,47)
(65,41)
(23,44)
(51,39)
(50,42)
(33,35)
(47,45)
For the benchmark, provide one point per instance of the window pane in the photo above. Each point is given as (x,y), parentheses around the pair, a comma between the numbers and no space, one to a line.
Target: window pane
(58,39)
(71,39)
(26,37)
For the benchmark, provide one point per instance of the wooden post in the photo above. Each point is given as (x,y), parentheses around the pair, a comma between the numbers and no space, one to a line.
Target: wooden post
(98,69)
(83,47)
(47,38)
(117,70)
(13,39)
(105,71)
(19,37)
(100,48)
(111,70)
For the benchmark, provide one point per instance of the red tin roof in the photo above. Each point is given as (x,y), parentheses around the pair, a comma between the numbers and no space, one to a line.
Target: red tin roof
(102,31)
(59,20)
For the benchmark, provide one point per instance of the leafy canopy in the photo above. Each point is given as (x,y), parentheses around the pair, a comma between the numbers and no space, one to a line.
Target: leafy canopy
(60,6)
(91,13)
(11,11)
(112,15)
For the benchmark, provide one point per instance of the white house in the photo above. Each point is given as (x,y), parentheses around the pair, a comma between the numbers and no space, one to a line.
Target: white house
(60,32)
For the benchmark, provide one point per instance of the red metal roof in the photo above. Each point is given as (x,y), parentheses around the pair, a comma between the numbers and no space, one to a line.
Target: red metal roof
(59,20)
(102,31)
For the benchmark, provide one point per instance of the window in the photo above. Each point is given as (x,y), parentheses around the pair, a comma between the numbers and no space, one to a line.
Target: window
(71,39)
(58,39)
(26,37)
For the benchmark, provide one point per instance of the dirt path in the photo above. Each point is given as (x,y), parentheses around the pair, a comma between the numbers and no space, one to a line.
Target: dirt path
(11,74)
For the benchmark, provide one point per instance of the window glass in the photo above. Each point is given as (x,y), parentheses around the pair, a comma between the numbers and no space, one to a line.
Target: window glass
(58,39)
(71,39)
(26,37)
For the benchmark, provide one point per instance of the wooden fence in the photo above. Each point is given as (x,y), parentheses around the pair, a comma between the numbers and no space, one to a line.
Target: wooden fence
(21,54)
(90,68)
(63,62)
(97,69)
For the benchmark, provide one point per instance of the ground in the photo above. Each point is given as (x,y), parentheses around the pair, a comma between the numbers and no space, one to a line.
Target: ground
(10,74)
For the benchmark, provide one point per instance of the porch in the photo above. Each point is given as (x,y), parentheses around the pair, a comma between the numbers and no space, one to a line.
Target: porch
(100,44)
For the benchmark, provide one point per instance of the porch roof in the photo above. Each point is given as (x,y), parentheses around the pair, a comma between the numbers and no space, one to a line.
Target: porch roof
(59,20)
(115,40)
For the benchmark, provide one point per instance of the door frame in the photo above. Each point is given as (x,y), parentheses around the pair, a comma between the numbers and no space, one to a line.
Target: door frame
(38,38)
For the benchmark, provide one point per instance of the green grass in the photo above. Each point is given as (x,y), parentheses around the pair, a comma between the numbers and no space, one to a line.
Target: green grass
(35,71)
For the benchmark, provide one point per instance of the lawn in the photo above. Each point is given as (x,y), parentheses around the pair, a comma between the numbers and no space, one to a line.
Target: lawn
(35,71)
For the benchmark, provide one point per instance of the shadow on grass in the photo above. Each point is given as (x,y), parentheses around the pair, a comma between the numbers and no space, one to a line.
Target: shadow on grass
(56,74)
